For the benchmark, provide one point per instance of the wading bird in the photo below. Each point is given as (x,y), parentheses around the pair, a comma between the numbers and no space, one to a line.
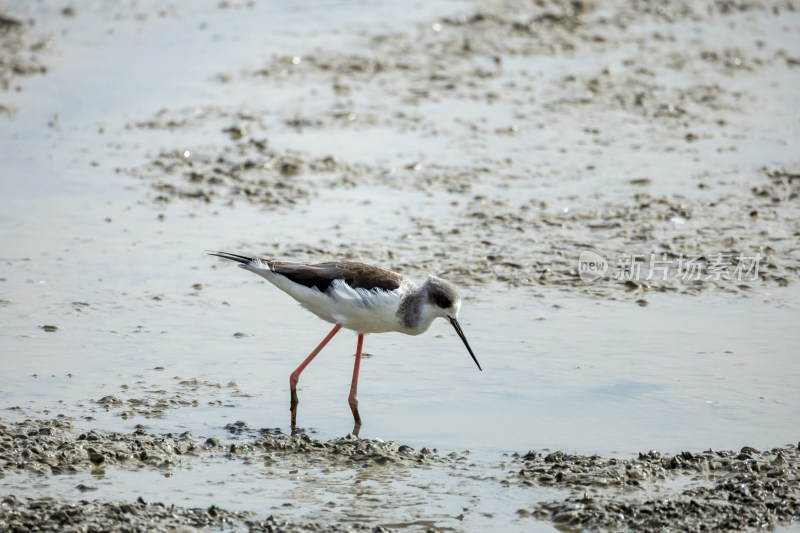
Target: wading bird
(360,297)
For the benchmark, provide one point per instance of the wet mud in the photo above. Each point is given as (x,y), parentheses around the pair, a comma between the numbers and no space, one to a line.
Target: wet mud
(643,133)
(22,52)
(48,514)
(55,447)
(467,82)
(719,490)
(749,489)
(140,400)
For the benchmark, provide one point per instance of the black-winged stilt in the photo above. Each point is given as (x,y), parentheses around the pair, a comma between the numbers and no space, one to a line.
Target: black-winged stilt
(361,297)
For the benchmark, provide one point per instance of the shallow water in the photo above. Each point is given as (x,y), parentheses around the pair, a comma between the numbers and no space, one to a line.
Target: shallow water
(559,372)
(85,249)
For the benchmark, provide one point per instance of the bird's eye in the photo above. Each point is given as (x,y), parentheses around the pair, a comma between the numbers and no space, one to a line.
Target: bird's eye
(443,301)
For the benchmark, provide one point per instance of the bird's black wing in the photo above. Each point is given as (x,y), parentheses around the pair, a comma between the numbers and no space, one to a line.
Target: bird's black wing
(356,275)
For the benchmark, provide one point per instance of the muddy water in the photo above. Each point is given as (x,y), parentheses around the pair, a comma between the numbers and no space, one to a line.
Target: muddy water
(486,144)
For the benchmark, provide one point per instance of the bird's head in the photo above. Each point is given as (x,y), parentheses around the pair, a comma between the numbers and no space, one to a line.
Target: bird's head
(444,301)
(442,297)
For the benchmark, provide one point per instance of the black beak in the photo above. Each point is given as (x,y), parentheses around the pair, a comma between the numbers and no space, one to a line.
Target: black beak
(456,325)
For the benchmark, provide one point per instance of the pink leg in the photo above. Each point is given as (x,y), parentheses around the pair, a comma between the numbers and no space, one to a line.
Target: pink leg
(293,379)
(353,399)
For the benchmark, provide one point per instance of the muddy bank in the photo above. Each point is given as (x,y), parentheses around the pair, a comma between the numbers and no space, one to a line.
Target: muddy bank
(49,514)
(491,145)
(719,490)
(56,447)
(22,51)
(658,146)
(689,491)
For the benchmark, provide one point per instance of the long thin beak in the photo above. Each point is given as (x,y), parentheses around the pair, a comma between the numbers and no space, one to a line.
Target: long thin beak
(456,325)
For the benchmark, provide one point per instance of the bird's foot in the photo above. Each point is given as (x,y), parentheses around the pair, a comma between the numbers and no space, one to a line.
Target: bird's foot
(293,406)
(356,417)
(356,428)
(353,402)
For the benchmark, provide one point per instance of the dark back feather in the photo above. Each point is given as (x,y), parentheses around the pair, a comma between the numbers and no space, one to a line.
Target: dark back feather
(356,275)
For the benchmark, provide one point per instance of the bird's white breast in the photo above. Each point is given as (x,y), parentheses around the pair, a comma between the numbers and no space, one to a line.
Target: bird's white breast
(363,310)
